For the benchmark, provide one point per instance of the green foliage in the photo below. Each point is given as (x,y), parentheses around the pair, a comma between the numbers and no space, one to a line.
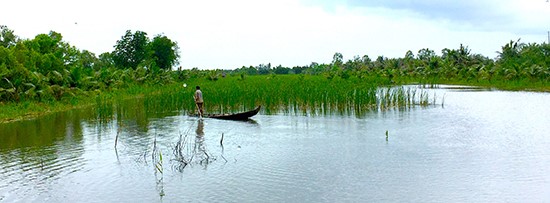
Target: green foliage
(7,37)
(131,50)
(337,60)
(47,68)
(164,52)
(298,94)
(135,49)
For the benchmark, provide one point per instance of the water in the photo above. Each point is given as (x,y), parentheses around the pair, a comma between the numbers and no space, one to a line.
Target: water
(473,146)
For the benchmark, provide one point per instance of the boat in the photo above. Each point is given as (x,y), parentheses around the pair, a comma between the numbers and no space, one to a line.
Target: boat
(236,116)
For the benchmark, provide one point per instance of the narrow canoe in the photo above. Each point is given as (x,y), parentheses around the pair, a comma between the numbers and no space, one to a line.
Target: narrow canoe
(235,116)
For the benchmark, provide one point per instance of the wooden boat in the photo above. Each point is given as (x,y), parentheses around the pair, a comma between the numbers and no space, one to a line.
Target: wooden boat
(236,116)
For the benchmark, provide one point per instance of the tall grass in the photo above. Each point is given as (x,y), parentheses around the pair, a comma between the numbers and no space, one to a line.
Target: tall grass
(291,94)
(298,94)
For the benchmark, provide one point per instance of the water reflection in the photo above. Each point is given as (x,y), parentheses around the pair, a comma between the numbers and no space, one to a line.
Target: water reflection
(496,143)
(251,121)
(188,151)
(200,128)
(42,132)
(36,152)
(200,148)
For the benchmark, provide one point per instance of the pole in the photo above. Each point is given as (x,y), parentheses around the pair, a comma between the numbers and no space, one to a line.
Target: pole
(548,37)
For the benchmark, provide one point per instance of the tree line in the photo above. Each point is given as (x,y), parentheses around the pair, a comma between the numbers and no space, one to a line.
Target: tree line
(515,62)
(47,68)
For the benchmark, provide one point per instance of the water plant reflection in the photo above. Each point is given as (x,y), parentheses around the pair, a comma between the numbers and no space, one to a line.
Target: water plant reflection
(188,153)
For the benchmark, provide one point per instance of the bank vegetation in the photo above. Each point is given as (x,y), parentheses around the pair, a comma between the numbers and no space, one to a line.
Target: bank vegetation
(46,74)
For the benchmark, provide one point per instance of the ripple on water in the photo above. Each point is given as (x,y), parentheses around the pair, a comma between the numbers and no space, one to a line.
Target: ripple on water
(479,147)
(30,173)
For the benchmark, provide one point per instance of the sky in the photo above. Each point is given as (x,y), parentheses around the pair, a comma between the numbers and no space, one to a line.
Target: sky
(221,34)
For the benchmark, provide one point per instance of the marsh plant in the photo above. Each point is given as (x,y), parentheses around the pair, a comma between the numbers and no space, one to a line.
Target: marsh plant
(188,151)
(156,157)
(298,94)
(46,74)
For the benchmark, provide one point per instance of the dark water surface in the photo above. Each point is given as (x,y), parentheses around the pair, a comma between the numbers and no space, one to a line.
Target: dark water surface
(473,146)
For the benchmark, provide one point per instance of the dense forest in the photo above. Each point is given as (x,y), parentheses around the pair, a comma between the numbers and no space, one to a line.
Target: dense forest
(48,69)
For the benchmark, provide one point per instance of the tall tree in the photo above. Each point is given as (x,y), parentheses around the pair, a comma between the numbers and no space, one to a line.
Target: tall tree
(164,52)
(337,60)
(51,52)
(131,50)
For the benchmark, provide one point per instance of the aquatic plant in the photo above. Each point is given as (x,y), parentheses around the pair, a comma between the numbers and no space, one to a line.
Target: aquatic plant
(180,157)
(296,94)
(155,152)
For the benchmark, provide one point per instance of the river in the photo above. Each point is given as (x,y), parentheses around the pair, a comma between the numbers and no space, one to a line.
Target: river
(473,145)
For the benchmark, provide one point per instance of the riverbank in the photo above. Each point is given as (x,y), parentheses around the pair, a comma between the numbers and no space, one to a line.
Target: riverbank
(514,85)
(226,92)
(528,86)
(15,111)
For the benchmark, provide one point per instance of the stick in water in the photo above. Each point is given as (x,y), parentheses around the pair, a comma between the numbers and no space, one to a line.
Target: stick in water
(198,109)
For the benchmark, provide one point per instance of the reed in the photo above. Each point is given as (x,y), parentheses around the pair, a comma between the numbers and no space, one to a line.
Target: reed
(289,94)
(295,94)
(188,152)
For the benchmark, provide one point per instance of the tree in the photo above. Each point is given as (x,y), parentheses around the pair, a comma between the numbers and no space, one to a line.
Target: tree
(425,54)
(409,60)
(46,43)
(409,55)
(281,70)
(51,53)
(7,38)
(131,50)
(264,69)
(105,60)
(380,61)
(164,52)
(87,59)
(337,60)
(511,51)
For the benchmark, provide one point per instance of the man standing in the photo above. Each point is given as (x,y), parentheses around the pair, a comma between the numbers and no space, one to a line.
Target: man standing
(198,100)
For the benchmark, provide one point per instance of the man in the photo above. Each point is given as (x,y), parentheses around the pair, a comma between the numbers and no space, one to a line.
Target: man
(198,100)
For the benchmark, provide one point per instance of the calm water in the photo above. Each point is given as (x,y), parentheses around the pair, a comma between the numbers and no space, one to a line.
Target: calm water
(479,146)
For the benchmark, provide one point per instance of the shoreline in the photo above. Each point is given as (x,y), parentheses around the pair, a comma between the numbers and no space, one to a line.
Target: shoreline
(13,112)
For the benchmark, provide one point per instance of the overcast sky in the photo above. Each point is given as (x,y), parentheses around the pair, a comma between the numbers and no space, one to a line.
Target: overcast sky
(230,34)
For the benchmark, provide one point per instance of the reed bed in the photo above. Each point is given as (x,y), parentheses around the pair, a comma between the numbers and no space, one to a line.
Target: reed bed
(289,94)
(292,94)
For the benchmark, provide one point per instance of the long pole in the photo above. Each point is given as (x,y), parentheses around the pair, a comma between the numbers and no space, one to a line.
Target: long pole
(548,37)
(199,110)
